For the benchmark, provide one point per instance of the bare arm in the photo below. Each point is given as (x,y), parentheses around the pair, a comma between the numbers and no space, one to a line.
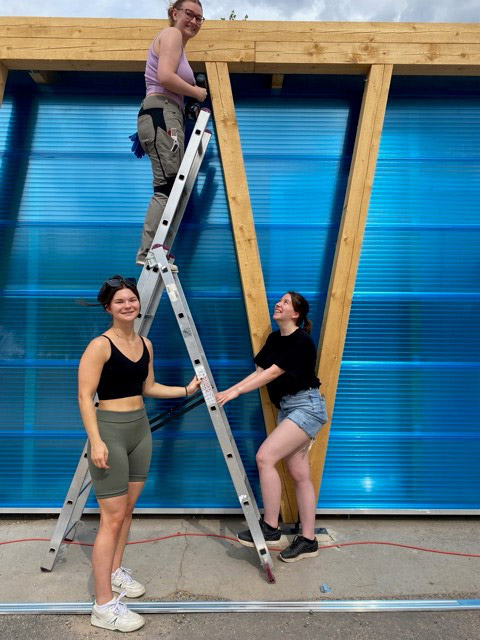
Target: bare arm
(154,389)
(255,380)
(89,372)
(249,377)
(170,52)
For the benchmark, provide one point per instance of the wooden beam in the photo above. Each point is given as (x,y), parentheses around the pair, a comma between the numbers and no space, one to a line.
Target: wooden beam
(44,77)
(366,53)
(361,69)
(248,256)
(3,80)
(82,44)
(347,254)
(256,30)
(276,68)
(277,80)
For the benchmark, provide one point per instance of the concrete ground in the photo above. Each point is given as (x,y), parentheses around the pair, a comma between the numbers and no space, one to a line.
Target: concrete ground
(210,568)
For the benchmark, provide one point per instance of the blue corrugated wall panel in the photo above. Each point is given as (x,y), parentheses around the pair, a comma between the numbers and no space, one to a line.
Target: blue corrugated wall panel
(72,201)
(406,430)
(72,207)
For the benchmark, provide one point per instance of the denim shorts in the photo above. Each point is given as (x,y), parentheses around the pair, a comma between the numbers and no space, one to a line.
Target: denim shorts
(307,409)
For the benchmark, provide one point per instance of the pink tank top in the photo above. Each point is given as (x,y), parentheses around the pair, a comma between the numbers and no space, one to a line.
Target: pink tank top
(184,70)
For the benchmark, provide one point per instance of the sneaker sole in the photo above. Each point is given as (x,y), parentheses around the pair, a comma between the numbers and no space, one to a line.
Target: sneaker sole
(269,543)
(312,554)
(96,622)
(127,594)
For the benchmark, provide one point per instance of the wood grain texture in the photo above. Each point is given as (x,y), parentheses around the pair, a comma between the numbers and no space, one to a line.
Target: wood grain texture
(264,47)
(3,80)
(250,268)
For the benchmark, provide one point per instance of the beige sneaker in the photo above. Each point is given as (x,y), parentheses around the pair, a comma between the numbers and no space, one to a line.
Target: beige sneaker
(116,617)
(122,582)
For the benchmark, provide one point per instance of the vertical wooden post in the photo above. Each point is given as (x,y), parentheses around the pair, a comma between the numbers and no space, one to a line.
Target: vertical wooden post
(248,256)
(349,244)
(3,80)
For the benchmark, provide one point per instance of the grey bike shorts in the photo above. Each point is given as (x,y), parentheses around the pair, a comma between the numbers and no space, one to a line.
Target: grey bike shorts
(128,439)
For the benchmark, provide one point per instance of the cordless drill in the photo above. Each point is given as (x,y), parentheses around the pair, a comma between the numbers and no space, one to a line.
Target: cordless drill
(192,106)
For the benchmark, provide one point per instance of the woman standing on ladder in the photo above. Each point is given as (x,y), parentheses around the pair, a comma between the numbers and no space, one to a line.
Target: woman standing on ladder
(286,364)
(161,119)
(118,366)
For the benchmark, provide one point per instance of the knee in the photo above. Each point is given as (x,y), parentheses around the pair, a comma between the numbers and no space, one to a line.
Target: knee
(114,521)
(299,473)
(263,459)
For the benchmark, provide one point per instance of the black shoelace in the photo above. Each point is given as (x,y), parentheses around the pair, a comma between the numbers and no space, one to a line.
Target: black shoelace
(297,542)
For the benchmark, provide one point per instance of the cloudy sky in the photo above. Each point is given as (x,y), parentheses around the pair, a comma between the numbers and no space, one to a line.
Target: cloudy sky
(366,10)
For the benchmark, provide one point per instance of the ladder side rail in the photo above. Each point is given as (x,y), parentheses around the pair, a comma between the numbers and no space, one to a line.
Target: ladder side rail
(77,494)
(209,389)
(150,284)
(187,172)
(150,288)
(183,183)
(150,297)
(168,228)
(184,196)
(217,414)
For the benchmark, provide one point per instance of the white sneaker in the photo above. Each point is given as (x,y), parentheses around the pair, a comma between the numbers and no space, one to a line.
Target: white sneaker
(116,617)
(122,582)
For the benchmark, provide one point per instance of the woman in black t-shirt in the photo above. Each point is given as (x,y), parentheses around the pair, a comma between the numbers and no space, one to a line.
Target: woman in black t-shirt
(286,364)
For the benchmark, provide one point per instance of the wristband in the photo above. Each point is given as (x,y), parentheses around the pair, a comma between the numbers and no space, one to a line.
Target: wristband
(186,392)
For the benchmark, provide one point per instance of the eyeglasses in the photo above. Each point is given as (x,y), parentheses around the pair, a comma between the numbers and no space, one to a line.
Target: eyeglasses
(193,16)
(115,282)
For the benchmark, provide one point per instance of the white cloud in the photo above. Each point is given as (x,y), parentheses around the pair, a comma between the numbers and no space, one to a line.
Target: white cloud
(343,10)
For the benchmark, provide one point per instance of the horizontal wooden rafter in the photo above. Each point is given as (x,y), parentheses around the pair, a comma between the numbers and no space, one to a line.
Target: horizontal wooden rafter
(83,44)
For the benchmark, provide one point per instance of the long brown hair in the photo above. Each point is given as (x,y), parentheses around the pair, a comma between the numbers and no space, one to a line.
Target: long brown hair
(302,307)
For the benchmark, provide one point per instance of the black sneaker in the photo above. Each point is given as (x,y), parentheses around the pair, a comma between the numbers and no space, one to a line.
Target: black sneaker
(271,535)
(300,548)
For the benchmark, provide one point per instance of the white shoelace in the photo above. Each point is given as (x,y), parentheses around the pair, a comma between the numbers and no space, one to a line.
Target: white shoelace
(116,607)
(125,575)
(119,608)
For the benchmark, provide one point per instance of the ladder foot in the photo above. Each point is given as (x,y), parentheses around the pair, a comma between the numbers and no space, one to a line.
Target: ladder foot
(269,574)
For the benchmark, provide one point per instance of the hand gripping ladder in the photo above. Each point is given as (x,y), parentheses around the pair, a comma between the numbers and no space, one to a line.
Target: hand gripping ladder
(157,274)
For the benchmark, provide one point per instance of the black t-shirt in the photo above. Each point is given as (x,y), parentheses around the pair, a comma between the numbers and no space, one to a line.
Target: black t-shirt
(296,355)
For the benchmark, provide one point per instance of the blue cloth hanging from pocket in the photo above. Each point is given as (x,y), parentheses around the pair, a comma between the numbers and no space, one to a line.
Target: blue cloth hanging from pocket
(136,146)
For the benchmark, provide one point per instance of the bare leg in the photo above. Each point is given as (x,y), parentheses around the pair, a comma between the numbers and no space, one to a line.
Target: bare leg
(134,490)
(299,468)
(112,514)
(284,440)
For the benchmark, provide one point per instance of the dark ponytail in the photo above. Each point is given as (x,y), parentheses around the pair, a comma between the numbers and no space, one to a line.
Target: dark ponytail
(302,307)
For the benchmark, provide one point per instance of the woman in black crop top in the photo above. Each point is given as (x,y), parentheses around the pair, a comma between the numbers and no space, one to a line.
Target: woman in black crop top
(286,364)
(118,366)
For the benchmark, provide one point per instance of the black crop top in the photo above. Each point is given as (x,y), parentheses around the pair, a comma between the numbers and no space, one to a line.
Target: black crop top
(122,377)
